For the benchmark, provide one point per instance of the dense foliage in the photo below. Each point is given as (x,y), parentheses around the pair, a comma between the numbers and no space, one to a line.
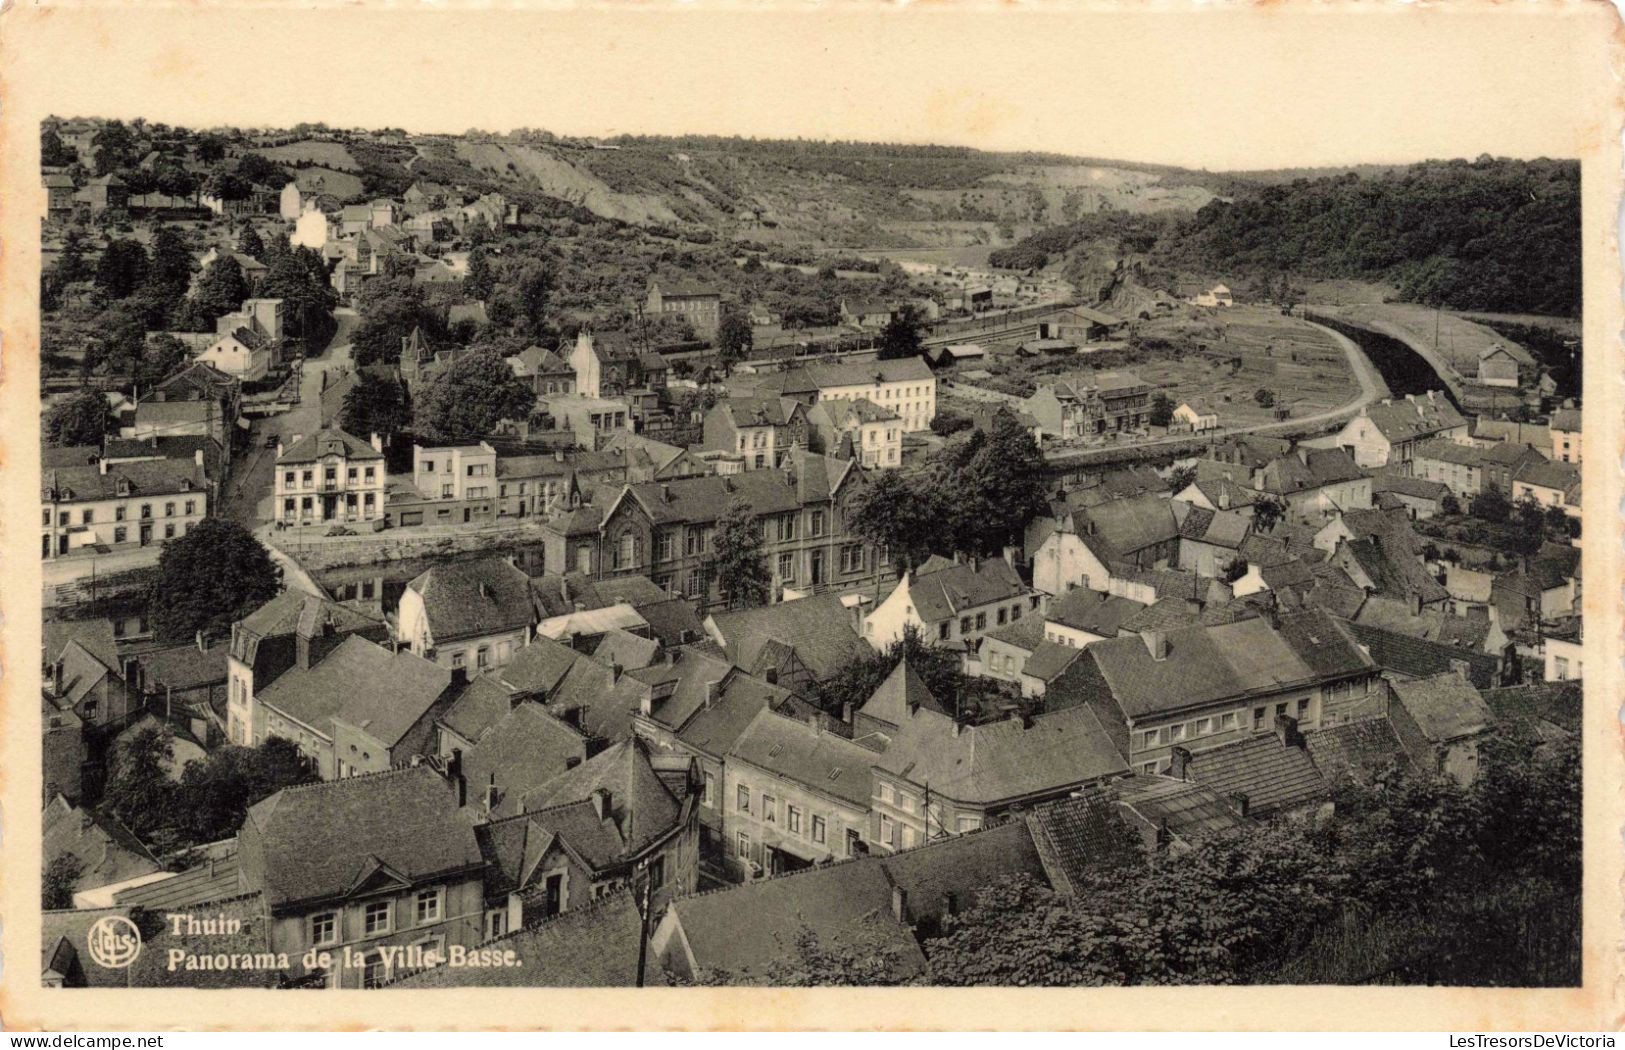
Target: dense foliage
(467,401)
(83,419)
(739,565)
(209,578)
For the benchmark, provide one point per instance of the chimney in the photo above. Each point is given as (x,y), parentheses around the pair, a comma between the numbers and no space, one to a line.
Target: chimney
(665,493)
(101,466)
(772,675)
(1286,730)
(846,713)
(899,904)
(1164,836)
(202,642)
(1224,497)
(815,723)
(1010,556)
(197,457)
(377,442)
(558,455)
(1180,770)
(1156,643)
(1240,801)
(1303,455)
(485,590)
(975,564)
(600,802)
(615,671)
(56,677)
(454,772)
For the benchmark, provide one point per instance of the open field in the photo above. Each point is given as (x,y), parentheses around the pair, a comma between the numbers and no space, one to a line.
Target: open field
(340,184)
(310,151)
(1458,340)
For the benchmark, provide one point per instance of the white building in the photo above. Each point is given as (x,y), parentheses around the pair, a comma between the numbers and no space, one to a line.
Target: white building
(952,603)
(329,476)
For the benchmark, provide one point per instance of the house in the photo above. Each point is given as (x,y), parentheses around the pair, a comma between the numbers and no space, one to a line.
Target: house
(107,853)
(859,430)
(362,708)
(472,614)
(893,703)
(1004,651)
(1459,467)
(794,644)
(1263,774)
(241,353)
(1440,721)
(1082,616)
(519,753)
(960,353)
(760,429)
(105,193)
(1565,430)
(1210,541)
(625,819)
(885,903)
(1315,482)
(1380,553)
(253,270)
(937,777)
(451,484)
(1403,655)
(1564,657)
(294,629)
(1219,493)
(1203,686)
(329,476)
(120,506)
(1501,463)
(1419,498)
(952,603)
(1090,404)
(547,371)
(187,685)
(59,197)
(1498,367)
(1218,295)
(312,229)
(1139,531)
(1042,347)
(1388,433)
(794,795)
(1550,485)
(697,304)
(665,530)
(290,203)
(352,866)
(1081,325)
(1196,415)
(905,386)
(866,313)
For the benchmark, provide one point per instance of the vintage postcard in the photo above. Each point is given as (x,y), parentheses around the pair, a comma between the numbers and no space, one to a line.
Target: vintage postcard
(1087,517)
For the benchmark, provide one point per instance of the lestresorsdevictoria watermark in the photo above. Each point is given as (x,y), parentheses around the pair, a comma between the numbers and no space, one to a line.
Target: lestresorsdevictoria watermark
(1555,1041)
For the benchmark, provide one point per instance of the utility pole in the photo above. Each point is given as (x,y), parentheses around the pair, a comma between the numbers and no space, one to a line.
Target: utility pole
(643,928)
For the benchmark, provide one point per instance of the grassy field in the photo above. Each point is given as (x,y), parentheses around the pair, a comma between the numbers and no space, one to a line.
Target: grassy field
(326,154)
(1459,340)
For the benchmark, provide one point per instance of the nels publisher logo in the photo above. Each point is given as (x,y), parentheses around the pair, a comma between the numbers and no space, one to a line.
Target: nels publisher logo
(114,942)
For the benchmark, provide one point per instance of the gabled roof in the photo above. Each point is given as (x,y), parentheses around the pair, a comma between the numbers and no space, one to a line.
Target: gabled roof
(363,684)
(945,591)
(1187,810)
(1556,475)
(522,752)
(1310,468)
(818,628)
(1132,524)
(296,612)
(1413,417)
(807,756)
(480,705)
(1445,706)
(465,599)
(329,441)
(153,477)
(760,411)
(1567,420)
(901,694)
(627,650)
(1048,660)
(1273,775)
(1355,751)
(1093,611)
(1442,451)
(316,841)
(713,729)
(1005,760)
(1419,658)
(641,809)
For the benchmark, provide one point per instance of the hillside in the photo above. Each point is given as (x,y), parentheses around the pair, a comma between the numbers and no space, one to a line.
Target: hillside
(1498,235)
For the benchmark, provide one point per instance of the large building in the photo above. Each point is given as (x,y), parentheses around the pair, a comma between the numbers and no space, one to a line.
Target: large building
(329,476)
(1388,433)
(100,506)
(700,306)
(906,387)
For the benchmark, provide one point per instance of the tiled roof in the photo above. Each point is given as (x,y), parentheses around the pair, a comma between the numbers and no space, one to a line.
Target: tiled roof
(1557,475)
(522,752)
(1431,624)
(95,636)
(155,477)
(760,411)
(479,706)
(602,702)
(818,628)
(1132,524)
(680,687)
(1161,615)
(806,756)
(1418,658)
(1413,417)
(1003,760)
(1310,468)
(1273,775)
(1355,751)
(381,692)
(1092,611)
(324,840)
(1445,706)
(714,729)
(1416,488)
(1077,834)
(1561,704)
(901,693)
(210,880)
(465,599)
(628,650)
(1442,451)
(297,612)
(945,592)
(673,622)
(1049,659)
(594,945)
(1025,633)
(1188,810)
(641,808)
(1566,419)
(184,666)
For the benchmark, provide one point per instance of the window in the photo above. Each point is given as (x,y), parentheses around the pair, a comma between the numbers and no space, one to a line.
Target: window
(818,829)
(482,657)
(709,794)
(742,845)
(742,803)
(657,872)
(694,586)
(377,918)
(1258,718)
(478,491)
(1002,615)
(169,531)
(1150,738)
(908,836)
(375,972)
(964,625)
(428,466)
(349,475)
(886,832)
(330,474)
(792,819)
(324,928)
(770,809)
(146,510)
(942,631)
(118,514)
(1176,733)
(1303,705)
(981,621)
(459,658)
(428,906)
(288,478)
(1227,721)
(191,506)
(308,477)
(496,923)
(119,534)
(86,516)
(1204,726)
(815,523)
(665,545)
(964,824)
(886,794)
(787,567)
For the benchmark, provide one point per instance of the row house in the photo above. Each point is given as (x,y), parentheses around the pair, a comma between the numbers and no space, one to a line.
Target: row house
(904,386)
(1565,431)
(1315,482)
(1091,404)
(1550,485)
(1388,433)
(107,506)
(329,476)
(858,430)
(471,614)
(1200,687)
(546,371)
(606,366)
(759,429)
(666,530)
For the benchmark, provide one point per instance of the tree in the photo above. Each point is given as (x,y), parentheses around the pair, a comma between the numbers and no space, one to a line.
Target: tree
(467,401)
(374,406)
(139,793)
(171,262)
(115,148)
(163,357)
(1266,512)
(1180,479)
(1450,504)
(857,681)
(59,880)
(208,579)
(262,170)
(70,265)
(1491,505)
(1162,410)
(52,153)
(533,287)
(209,148)
(83,419)
(734,337)
(249,242)
(739,566)
(901,336)
(307,296)
(390,308)
(948,422)
(214,795)
(994,484)
(480,279)
(227,186)
(121,269)
(1265,397)
(901,513)
(1234,570)
(863,955)
(222,287)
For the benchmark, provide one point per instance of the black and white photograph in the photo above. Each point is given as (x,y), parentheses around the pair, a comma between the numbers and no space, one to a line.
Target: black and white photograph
(540,555)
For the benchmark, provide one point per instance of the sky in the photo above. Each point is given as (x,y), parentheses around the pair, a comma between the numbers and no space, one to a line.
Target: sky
(1227,88)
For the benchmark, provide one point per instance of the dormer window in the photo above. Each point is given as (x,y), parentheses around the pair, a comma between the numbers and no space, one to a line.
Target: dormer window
(123,486)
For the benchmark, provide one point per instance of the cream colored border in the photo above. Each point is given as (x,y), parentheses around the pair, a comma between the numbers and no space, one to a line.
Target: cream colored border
(1220,85)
